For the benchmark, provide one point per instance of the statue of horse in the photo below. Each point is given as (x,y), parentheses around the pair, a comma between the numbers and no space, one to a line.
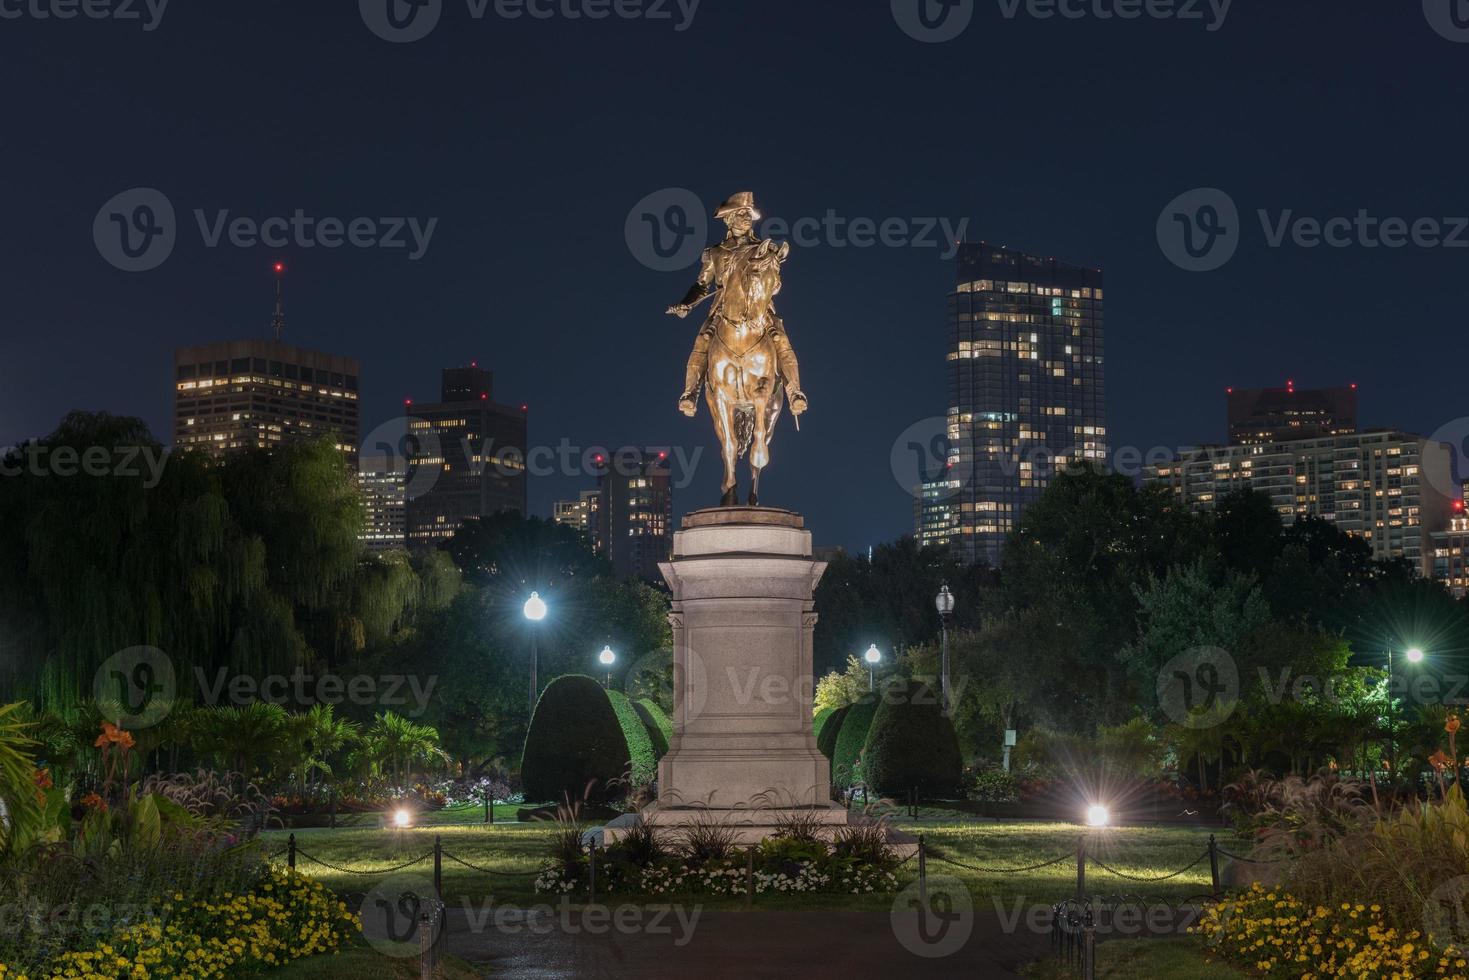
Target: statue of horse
(743,384)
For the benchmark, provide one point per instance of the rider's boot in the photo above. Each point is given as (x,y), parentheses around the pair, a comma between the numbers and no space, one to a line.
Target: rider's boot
(790,371)
(694,375)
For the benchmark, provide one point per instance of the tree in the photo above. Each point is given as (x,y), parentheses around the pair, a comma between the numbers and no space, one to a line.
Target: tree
(837,690)
(911,745)
(846,759)
(399,746)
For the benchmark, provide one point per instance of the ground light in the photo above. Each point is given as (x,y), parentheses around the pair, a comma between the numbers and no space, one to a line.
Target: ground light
(1097,816)
(402,819)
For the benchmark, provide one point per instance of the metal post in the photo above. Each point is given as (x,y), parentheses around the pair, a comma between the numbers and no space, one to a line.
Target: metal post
(489,807)
(438,865)
(1081,871)
(922,871)
(336,795)
(535,656)
(944,662)
(1214,863)
(592,869)
(426,945)
(291,852)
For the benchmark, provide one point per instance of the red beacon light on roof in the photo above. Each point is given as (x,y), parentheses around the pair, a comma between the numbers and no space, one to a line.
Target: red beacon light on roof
(408,401)
(484,397)
(280,267)
(525,408)
(1459,506)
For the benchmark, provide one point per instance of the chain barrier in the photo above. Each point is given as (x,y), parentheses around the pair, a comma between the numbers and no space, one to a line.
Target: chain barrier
(1122,874)
(1001,871)
(353,871)
(489,871)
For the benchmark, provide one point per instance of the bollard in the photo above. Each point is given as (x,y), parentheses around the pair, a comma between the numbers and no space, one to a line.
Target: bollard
(750,876)
(592,869)
(438,866)
(489,809)
(922,872)
(291,852)
(1081,871)
(1214,863)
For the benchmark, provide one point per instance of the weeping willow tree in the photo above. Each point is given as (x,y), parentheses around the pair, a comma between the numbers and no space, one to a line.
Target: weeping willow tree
(243,566)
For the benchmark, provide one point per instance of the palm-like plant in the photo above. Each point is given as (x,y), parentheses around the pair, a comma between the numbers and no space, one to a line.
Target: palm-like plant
(19,810)
(399,744)
(319,740)
(245,738)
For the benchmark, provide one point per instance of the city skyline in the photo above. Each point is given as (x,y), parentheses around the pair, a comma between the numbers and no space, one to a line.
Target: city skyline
(528,269)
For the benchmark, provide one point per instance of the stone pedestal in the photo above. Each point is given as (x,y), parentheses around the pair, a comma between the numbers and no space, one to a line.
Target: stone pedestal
(743,753)
(743,616)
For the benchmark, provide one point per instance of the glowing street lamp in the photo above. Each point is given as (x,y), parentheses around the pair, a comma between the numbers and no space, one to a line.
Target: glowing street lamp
(1415,655)
(944,603)
(535,611)
(873,656)
(607,659)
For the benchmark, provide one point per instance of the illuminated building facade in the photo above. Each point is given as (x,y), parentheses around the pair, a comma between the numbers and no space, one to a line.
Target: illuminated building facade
(1379,485)
(1259,416)
(633,517)
(1451,549)
(384,485)
(935,512)
(476,446)
(258,394)
(582,513)
(1027,393)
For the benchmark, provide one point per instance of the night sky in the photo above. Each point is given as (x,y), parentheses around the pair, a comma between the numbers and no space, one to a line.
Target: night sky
(530,141)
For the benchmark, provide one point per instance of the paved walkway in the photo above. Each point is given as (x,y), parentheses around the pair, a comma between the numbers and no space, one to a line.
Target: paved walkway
(550,945)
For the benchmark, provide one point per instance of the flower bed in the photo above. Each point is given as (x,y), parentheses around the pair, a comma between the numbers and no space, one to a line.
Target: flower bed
(1273,933)
(285,917)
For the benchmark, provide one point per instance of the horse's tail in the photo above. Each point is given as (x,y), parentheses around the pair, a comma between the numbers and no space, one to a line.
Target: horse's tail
(744,425)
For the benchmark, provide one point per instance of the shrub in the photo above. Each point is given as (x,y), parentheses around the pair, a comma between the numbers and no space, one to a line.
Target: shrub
(639,744)
(818,721)
(575,745)
(849,742)
(912,743)
(826,736)
(660,729)
(994,786)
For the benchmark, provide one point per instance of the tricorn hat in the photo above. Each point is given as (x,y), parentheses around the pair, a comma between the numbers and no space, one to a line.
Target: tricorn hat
(742,201)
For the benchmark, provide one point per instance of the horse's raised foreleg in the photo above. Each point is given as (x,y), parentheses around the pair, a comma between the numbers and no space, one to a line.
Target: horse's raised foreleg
(724,427)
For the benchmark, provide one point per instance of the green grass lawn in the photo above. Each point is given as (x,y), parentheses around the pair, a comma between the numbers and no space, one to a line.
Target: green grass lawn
(517,850)
(1142,959)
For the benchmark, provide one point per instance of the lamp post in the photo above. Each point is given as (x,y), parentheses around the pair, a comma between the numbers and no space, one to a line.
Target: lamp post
(535,611)
(607,658)
(944,602)
(1415,656)
(873,656)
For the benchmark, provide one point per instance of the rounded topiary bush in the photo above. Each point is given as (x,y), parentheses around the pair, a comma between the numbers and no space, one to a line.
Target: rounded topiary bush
(826,735)
(818,720)
(639,743)
(850,741)
(912,744)
(660,729)
(575,738)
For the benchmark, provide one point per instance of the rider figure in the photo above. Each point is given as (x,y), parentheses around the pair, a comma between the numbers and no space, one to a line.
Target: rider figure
(721,271)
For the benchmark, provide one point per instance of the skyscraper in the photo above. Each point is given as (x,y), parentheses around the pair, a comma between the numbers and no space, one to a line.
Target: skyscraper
(257,394)
(1258,416)
(478,448)
(384,484)
(1027,396)
(634,514)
